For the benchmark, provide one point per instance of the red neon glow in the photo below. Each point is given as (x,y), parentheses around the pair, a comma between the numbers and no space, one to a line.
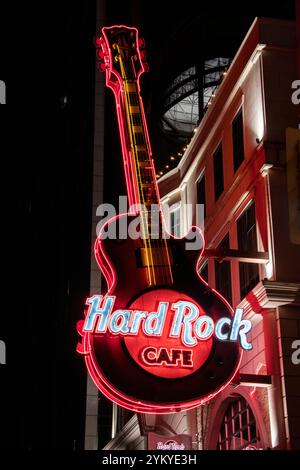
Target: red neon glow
(99,379)
(121,399)
(86,347)
(130,402)
(136,344)
(163,349)
(261,368)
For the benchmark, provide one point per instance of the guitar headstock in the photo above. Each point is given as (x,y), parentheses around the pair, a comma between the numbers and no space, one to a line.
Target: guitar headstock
(121,53)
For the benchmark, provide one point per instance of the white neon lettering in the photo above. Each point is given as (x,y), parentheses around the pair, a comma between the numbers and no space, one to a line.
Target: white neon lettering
(187,323)
(240,327)
(219,327)
(119,321)
(136,322)
(154,323)
(98,314)
(184,321)
(204,327)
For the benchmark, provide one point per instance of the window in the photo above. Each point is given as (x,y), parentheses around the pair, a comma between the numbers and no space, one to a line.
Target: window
(223,274)
(238,140)
(204,272)
(175,222)
(238,429)
(201,199)
(247,241)
(218,171)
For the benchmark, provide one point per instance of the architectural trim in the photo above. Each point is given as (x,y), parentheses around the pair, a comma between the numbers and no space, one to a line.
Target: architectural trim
(271,294)
(253,380)
(228,254)
(147,423)
(129,433)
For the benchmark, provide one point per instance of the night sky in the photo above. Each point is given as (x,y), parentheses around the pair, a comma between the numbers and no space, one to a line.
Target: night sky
(47,60)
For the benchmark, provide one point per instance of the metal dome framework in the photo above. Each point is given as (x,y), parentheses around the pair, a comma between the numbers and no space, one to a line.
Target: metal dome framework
(189,95)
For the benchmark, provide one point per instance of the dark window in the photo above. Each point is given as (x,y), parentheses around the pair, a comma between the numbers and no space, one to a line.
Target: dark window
(238,429)
(247,241)
(223,274)
(201,192)
(204,272)
(238,140)
(218,172)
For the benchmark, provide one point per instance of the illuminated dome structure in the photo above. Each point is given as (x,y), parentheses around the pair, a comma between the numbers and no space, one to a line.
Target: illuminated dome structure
(189,95)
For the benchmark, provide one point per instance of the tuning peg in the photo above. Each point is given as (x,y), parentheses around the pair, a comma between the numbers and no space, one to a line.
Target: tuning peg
(80,348)
(143,55)
(98,41)
(100,54)
(79,327)
(102,66)
(141,42)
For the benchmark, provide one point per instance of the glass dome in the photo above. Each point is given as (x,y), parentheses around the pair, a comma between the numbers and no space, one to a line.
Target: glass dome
(189,95)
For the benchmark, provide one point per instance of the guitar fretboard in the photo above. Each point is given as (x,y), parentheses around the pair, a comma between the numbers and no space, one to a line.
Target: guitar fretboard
(144,177)
(153,253)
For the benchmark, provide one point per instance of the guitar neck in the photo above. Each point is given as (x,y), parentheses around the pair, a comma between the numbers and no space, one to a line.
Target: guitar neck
(122,61)
(139,167)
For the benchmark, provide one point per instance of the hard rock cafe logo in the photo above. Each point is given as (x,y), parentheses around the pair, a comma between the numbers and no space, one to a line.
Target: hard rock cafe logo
(185,324)
(164,321)
(170,445)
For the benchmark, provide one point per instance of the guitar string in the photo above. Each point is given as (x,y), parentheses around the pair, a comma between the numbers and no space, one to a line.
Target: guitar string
(143,191)
(159,249)
(161,252)
(143,216)
(149,262)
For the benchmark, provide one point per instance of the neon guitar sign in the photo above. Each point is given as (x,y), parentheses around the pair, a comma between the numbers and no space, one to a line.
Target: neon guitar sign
(160,340)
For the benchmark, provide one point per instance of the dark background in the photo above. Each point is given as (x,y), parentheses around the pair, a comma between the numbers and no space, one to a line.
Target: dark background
(46,143)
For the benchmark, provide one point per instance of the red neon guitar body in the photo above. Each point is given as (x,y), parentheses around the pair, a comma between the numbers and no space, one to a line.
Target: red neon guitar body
(150,374)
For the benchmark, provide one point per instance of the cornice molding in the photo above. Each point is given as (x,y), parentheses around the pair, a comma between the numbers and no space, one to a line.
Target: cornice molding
(271,294)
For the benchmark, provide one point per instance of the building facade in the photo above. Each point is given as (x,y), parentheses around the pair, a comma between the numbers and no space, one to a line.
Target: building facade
(242,167)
